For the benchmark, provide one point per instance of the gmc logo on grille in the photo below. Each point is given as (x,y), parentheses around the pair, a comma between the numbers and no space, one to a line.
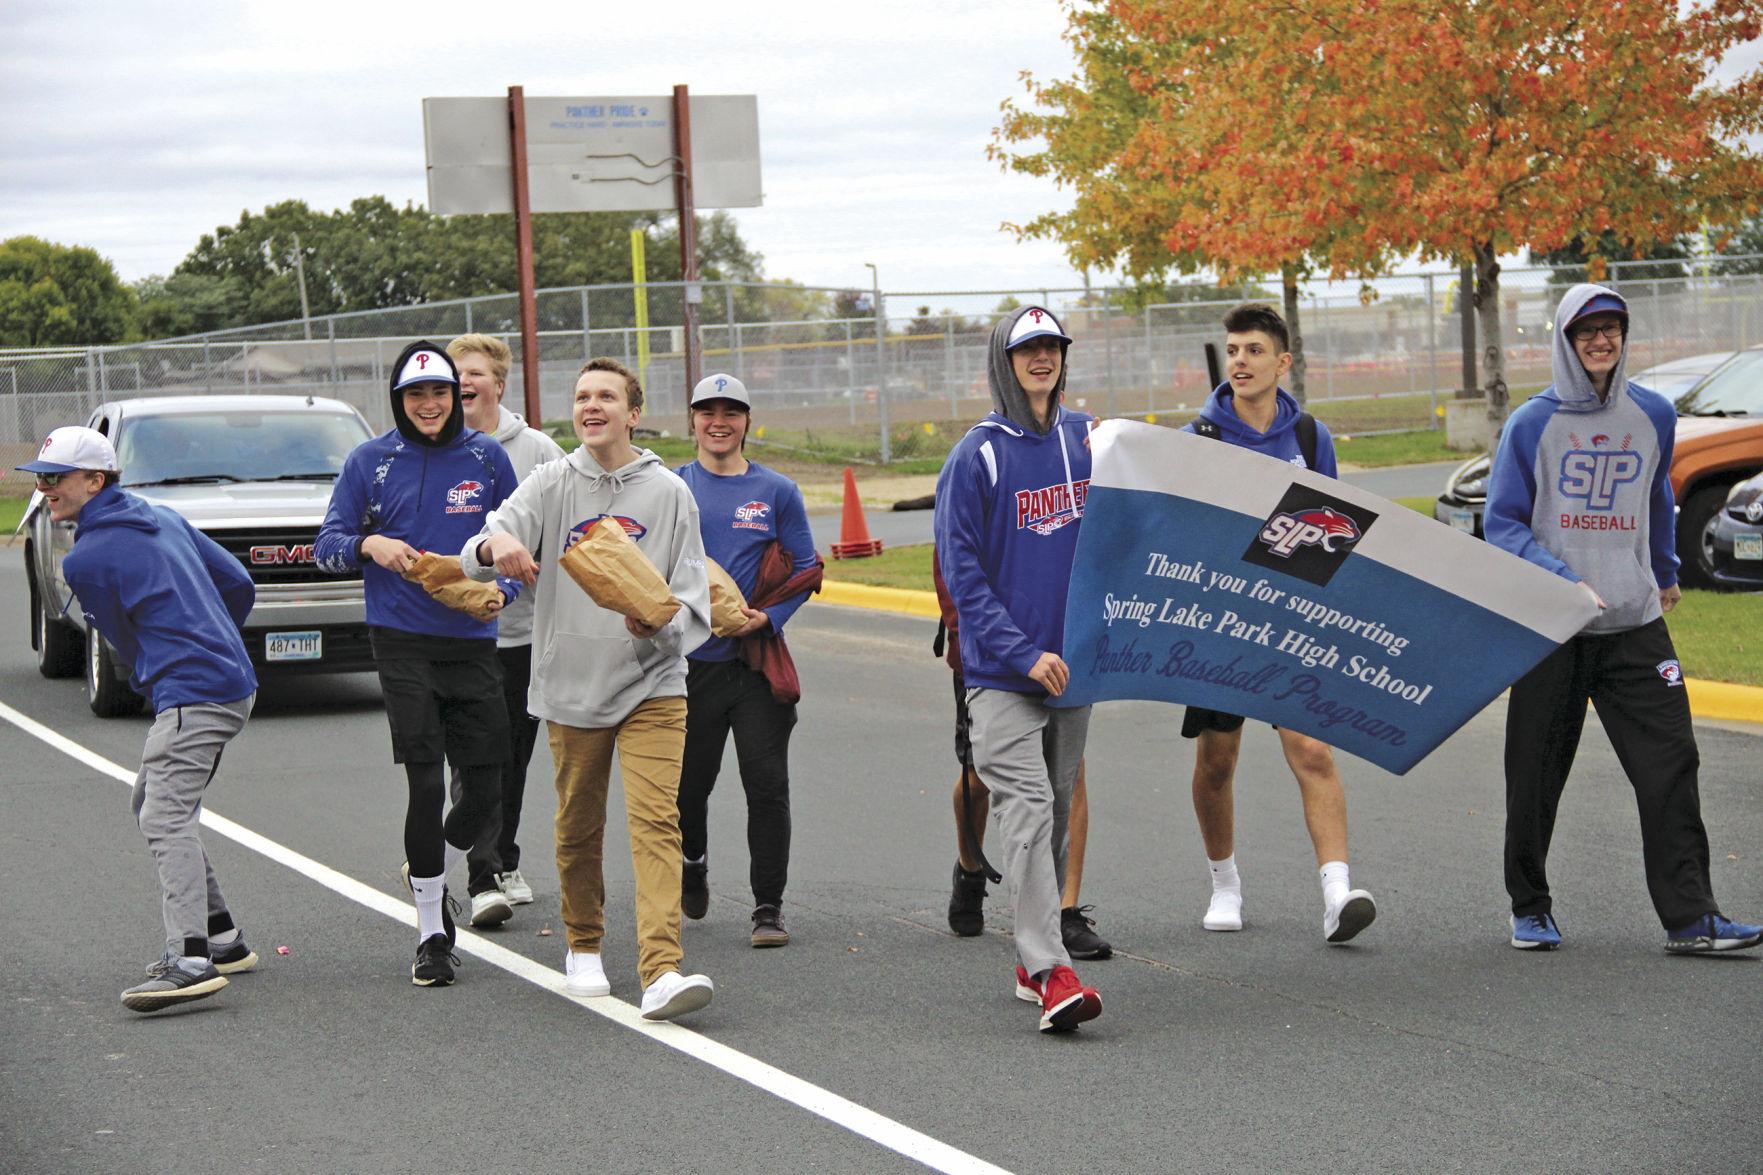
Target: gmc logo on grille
(275,556)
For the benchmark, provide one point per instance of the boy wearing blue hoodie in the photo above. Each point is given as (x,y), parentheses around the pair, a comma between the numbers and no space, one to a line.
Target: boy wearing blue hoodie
(1251,410)
(1580,486)
(426,485)
(1008,504)
(172,602)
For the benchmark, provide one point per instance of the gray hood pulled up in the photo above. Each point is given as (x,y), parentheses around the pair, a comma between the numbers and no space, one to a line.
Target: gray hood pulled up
(1008,398)
(1573,387)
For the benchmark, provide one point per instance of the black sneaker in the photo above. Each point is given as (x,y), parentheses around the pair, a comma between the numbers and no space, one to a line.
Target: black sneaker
(967,903)
(434,962)
(1078,930)
(168,983)
(449,905)
(768,927)
(235,958)
(694,888)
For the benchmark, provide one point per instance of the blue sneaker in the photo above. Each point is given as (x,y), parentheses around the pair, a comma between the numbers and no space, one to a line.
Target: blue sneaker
(1535,932)
(1711,932)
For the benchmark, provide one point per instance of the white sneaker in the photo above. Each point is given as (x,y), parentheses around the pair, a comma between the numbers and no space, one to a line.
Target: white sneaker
(515,888)
(1355,912)
(490,908)
(673,995)
(584,975)
(1226,910)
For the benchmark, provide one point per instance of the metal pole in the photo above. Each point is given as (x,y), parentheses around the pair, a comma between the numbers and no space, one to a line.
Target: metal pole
(300,272)
(688,236)
(850,372)
(728,304)
(881,361)
(523,248)
(587,339)
(1432,354)
(949,362)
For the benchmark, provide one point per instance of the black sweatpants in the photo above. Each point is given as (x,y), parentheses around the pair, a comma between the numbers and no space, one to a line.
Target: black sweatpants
(723,696)
(496,851)
(1636,686)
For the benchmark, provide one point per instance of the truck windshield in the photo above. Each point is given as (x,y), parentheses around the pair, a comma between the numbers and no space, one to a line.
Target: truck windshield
(1735,389)
(235,446)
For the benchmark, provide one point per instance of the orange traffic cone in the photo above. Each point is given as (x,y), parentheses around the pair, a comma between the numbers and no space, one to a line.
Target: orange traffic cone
(854,541)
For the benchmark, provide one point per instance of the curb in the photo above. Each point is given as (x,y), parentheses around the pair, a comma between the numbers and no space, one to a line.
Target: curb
(1708,699)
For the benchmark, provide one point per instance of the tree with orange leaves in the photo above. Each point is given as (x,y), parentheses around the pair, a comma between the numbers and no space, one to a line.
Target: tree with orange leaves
(1343,133)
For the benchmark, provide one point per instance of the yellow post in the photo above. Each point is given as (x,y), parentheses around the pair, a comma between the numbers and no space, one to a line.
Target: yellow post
(640,291)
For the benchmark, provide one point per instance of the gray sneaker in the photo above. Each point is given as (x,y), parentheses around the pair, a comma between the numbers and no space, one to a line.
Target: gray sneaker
(169,983)
(768,927)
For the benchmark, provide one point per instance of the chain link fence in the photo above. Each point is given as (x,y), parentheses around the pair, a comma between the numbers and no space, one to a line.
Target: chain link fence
(1379,359)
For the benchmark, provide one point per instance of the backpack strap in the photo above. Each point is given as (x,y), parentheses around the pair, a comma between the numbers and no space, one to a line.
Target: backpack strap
(1307,439)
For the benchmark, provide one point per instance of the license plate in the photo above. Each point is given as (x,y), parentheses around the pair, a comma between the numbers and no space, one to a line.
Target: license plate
(1747,546)
(1463,520)
(293,646)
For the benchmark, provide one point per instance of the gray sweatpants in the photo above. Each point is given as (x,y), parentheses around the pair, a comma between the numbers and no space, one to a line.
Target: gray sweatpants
(1028,754)
(181,756)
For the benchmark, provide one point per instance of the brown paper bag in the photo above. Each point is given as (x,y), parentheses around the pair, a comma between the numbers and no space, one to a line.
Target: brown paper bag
(726,602)
(445,582)
(617,575)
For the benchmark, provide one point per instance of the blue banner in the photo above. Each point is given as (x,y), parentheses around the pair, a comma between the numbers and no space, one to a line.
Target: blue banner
(1213,576)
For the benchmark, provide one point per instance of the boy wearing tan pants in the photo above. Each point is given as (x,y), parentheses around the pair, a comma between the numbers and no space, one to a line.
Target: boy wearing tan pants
(603,681)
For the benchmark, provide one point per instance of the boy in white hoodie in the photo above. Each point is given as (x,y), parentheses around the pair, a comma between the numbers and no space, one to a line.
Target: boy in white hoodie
(605,681)
(496,884)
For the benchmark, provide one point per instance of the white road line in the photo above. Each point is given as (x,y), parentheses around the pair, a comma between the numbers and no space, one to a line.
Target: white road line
(901,1139)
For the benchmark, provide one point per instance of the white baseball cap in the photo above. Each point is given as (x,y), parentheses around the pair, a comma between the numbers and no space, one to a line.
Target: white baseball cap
(72,448)
(1036,322)
(721,386)
(426,365)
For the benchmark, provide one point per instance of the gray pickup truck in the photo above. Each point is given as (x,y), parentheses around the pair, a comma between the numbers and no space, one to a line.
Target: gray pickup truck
(254,473)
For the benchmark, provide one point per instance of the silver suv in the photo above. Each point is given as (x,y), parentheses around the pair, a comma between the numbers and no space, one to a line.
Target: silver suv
(253,473)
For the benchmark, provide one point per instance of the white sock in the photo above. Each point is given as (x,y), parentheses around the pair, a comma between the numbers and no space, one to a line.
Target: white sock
(1335,883)
(450,857)
(1225,875)
(429,892)
(225,938)
(194,964)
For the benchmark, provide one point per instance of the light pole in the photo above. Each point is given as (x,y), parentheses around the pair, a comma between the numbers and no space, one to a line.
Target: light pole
(881,360)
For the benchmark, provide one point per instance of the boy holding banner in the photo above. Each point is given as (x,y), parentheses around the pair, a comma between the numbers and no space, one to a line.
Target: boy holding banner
(1008,504)
(1253,411)
(1580,487)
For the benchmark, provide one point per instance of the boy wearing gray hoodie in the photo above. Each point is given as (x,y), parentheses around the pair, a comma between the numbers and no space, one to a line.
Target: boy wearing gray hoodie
(1580,486)
(495,882)
(606,682)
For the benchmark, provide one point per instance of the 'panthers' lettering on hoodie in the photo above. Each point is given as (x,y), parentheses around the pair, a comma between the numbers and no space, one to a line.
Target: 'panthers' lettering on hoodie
(1581,487)
(1009,500)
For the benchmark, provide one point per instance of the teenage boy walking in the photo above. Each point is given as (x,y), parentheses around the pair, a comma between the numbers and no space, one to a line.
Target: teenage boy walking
(494,880)
(1580,487)
(1251,410)
(426,485)
(606,682)
(743,509)
(172,602)
(1009,501)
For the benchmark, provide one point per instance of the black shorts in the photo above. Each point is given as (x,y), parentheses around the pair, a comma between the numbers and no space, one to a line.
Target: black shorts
(450,704)
(963,725)
(1195,719)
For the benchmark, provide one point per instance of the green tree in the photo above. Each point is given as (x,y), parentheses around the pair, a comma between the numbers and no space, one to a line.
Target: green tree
(60,295)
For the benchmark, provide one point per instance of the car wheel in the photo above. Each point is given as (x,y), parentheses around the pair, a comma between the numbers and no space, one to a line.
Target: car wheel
(58,645)
(1695,536)
(108,697)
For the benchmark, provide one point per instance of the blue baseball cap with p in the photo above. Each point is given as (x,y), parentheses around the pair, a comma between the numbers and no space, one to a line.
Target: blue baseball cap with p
(1035,322)
(72,448)
(1601,304)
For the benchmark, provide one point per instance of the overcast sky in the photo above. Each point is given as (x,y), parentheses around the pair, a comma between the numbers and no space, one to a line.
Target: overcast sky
(133,126)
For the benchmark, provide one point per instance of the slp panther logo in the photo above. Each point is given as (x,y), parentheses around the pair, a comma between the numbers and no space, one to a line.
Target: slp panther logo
(1597,472)
(579,531)
(1285,533)
(1047,509)
(465,498)
(1309,534)
(754,515)
(1672,672)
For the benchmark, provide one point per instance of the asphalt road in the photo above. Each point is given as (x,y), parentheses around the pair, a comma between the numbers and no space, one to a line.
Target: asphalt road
(901,528)
(1426,1045)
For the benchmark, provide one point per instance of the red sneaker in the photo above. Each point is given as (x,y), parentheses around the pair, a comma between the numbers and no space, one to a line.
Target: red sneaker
(1066,1003)
(1026,988)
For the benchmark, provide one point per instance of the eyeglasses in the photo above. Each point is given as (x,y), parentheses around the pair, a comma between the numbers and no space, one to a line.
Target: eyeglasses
(1585,334)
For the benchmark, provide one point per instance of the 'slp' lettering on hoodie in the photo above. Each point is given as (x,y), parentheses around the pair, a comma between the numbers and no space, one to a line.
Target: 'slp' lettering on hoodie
(1047,509)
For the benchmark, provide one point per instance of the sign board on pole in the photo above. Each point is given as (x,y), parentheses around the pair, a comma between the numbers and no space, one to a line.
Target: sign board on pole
(600,154)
